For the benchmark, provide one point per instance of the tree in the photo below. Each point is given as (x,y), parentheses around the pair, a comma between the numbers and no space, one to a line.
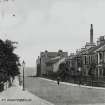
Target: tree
(92,69)
(9,61)
(63,71)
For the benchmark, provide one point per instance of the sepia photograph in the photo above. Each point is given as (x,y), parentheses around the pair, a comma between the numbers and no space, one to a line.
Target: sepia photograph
(52,52)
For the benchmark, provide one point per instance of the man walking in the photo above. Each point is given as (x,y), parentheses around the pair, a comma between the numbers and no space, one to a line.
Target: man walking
(58,80)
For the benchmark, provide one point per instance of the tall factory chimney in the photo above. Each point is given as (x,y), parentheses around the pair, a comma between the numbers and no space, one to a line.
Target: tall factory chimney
(91,43)
(91,34)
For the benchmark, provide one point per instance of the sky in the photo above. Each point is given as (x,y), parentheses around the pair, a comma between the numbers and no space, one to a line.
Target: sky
(39,25)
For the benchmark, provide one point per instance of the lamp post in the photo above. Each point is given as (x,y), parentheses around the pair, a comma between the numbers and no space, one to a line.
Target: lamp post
(23,65)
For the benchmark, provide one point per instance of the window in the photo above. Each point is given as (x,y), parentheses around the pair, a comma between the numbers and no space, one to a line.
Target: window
(89,59)
(100,55)
(85,60)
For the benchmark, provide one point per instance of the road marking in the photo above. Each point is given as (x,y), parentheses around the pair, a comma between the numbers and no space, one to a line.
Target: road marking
(71,84)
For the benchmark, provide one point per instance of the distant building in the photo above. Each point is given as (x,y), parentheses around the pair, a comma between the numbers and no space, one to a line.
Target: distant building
(101,58)
(83,60)
(79,59)
(95,55)
(92,54)
(89,54)
(49,61)
(71,61)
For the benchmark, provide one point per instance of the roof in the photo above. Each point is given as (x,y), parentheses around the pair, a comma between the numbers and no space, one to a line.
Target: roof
(54,54)
(53,60)
(92,50)
(97,48)
(81,52)
(101,49)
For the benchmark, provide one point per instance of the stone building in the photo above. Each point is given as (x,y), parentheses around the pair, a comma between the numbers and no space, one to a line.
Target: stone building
(101,57)
(90,54)
(74,63)
(83,60)
(94,55)
(80,60)
(49,61)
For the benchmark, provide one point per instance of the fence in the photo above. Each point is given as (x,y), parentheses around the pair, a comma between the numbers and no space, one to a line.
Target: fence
(81,80)
(4,85)
(86,80)
(1,87)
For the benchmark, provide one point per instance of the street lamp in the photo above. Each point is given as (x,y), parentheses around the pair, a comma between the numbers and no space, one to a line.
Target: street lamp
(23,65)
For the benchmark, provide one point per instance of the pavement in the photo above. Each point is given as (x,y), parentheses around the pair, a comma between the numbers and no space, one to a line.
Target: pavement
(16,96)
(72,84)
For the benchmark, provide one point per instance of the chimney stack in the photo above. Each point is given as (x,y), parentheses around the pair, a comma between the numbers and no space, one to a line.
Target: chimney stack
(91,34)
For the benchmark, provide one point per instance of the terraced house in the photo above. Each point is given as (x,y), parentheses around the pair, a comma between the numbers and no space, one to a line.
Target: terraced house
(94,56)
(90,59)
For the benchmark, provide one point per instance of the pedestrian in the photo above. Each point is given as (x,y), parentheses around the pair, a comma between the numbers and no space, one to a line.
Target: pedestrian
(58,80)
(80,80)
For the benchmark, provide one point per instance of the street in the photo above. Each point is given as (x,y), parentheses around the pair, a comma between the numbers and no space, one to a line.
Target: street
(64,94)
(16,96)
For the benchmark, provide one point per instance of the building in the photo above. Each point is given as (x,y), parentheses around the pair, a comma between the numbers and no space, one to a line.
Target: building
(90,60)
(91,54)
(80,60)
(94,55)
(72,62)
(101,58)
(49,61)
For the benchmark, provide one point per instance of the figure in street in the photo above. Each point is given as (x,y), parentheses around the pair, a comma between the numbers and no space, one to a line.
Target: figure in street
(58,80)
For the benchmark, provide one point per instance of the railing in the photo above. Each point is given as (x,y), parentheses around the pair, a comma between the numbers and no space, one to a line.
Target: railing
(81,80)
(87,80)
(4,85)
(1,86)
